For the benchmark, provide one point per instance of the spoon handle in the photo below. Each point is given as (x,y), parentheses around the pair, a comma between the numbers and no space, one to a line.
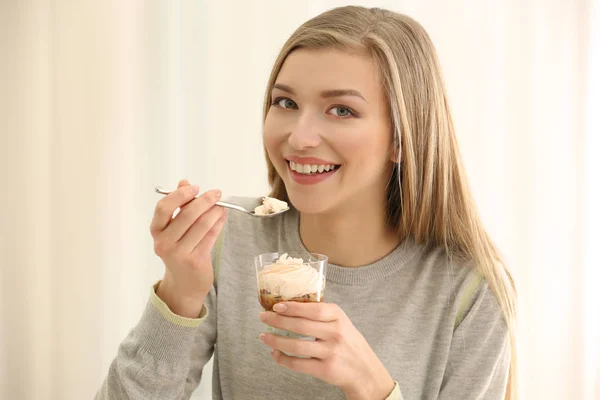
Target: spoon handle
(218,203)
(231,206)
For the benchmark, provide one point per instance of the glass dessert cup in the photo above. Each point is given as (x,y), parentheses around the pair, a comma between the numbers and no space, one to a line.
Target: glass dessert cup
(281,278)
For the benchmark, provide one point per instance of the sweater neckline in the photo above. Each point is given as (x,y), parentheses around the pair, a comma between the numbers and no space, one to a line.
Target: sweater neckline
(386,266)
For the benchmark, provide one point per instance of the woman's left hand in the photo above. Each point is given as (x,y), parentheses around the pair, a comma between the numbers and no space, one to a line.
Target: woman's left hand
(340,355)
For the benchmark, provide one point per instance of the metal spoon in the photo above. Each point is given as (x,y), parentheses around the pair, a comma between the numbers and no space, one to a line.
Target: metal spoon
(160,190)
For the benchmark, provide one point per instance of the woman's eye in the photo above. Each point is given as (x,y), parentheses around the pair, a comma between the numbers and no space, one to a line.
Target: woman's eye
(342,112)
(284,102)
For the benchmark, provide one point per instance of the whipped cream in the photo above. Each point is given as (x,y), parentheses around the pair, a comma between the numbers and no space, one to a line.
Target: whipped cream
(270,205)
(290,277)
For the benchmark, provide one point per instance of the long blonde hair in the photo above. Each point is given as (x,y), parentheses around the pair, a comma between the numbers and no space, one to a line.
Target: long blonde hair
(428,194)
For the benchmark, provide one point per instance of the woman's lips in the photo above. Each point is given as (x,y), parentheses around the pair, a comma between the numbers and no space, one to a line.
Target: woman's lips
(312,178)
(309,160)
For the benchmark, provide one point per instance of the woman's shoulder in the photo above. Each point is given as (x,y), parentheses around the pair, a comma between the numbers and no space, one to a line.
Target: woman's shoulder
(437,261)
(447,270)
(459,278)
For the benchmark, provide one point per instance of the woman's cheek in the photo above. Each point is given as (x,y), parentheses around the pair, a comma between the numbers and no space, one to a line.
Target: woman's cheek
(268,134)
(273,139)
(272,126)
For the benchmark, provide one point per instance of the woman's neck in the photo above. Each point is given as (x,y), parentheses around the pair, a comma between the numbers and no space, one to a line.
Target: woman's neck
(350,237)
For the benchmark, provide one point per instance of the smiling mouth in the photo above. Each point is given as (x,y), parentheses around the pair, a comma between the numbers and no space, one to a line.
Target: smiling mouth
(312,169)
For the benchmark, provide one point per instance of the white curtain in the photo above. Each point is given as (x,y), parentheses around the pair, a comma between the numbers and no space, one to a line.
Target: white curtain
(101,101)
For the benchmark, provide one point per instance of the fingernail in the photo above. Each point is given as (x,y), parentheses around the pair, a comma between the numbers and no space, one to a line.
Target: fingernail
(196,189)
(217,193)
(262,337)
(262,316)
(279,307)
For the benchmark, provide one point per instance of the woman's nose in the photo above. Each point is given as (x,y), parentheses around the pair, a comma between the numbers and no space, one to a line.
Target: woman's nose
(305,133)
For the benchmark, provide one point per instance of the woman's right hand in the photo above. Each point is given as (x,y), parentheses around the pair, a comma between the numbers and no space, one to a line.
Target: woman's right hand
(184,244)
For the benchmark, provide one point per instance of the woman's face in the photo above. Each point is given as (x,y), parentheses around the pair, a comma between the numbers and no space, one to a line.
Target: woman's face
(328,131)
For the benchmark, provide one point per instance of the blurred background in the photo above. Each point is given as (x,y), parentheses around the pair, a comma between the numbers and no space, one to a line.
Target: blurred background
(102,100)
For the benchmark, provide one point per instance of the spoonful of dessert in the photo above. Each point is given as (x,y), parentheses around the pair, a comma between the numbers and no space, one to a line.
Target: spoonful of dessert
(270,206)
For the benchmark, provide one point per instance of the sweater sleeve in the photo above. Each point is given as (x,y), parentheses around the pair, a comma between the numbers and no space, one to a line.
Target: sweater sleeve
(163,355)
(479,355)
(396,394)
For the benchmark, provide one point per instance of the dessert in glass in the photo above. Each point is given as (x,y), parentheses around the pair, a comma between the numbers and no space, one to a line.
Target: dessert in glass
(283,278)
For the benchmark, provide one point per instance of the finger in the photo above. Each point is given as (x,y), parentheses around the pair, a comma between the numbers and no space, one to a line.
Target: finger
(308,366)
(207,243)
(324,312)
(305,348)
(200,228)
(189,214)
(302,326)
(181,183)
(167,206)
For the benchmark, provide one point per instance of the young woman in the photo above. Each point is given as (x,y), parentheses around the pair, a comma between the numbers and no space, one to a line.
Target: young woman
(359,140)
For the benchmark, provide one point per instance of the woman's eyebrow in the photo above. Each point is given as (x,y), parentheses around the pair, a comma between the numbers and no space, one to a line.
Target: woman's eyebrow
(285,88)
(325,93)
(342,92)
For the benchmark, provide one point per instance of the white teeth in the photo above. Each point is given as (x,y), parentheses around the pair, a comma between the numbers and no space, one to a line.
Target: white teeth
(310,169)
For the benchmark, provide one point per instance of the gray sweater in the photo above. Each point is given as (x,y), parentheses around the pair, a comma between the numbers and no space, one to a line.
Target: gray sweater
(435,325)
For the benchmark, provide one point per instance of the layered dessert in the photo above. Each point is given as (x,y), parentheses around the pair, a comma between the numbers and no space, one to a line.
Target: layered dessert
(270,205)
(289,279)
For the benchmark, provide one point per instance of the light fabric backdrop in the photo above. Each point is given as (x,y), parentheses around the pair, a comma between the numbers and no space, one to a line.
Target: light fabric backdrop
(102,100)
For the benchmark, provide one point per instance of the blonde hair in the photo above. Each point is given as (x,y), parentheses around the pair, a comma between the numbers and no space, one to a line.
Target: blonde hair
(428,194)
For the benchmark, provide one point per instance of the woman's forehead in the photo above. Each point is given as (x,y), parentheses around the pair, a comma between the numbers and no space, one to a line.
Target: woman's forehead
(310,70)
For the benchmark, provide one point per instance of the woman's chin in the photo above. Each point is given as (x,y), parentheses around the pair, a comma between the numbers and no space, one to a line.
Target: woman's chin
(309,204)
